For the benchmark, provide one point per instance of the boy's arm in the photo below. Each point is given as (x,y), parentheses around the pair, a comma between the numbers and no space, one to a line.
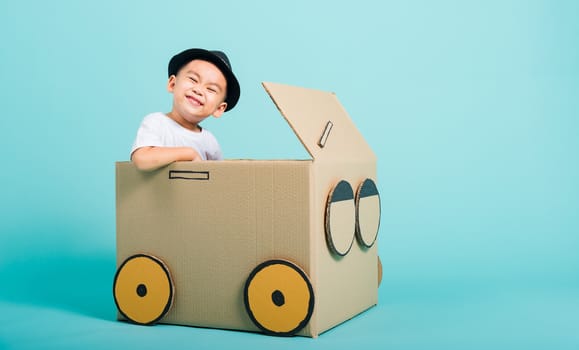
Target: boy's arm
(151,158)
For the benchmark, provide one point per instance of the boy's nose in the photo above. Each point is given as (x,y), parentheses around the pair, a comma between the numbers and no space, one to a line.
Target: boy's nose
(196,89)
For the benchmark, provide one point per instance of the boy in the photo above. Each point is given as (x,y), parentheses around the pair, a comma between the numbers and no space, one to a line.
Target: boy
(202,84)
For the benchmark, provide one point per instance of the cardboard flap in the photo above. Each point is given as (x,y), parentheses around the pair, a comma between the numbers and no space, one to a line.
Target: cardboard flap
(320,122)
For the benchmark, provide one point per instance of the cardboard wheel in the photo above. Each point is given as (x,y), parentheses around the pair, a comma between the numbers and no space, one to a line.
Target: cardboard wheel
(367,213)
(279,297)
(143,289)
(340,221)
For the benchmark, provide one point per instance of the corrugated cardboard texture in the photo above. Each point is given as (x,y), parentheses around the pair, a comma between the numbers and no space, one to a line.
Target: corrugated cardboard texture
(345,285)
(212,233)
(308,112)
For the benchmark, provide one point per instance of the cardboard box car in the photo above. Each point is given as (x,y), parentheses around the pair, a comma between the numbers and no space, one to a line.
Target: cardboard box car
(279,246)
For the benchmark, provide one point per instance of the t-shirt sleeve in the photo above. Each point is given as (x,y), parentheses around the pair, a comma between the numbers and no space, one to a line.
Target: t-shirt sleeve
(213,151)
(148,134)
(216,155)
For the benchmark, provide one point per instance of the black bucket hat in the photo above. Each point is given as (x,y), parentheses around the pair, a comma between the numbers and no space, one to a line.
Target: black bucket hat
(219,59)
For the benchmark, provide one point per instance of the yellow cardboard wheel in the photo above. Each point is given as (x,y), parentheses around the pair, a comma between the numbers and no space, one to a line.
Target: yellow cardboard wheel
(279,297)
(143,289)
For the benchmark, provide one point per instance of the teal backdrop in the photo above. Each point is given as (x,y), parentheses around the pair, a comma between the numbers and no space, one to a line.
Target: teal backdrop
(472,108)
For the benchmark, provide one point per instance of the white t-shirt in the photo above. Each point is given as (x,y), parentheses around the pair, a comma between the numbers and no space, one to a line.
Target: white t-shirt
(158,130)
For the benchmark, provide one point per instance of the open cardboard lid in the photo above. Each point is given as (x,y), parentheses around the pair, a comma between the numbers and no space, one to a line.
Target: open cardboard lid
(320,122)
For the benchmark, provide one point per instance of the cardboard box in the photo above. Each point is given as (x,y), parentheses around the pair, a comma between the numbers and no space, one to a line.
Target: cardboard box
(280,246)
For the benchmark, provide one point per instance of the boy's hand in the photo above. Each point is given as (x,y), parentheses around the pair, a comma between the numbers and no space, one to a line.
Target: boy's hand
(196,156)
(185,153)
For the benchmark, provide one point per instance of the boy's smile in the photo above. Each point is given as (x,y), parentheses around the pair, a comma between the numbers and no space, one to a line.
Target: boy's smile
(199,90)
(194,101)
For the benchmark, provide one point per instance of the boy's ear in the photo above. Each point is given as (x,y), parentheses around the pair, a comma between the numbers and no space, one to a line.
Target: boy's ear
(171,83)
(220,110)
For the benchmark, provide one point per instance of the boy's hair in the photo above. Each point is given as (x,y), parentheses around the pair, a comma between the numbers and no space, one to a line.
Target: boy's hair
(219,59)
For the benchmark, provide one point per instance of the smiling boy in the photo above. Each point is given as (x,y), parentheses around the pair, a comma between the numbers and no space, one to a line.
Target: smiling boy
(202,84)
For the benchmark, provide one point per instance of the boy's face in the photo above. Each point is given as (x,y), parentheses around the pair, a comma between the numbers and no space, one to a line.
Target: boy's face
(199,90)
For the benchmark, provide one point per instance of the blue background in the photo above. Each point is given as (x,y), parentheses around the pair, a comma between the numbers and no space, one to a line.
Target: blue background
(472,108)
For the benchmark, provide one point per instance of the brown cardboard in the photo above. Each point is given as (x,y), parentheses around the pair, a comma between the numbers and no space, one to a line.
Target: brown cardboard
(213,223)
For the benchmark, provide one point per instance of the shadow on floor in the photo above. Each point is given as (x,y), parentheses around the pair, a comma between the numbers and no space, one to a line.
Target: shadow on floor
(81,284)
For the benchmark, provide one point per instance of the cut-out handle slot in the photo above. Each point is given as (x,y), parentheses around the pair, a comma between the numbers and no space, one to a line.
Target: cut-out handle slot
(188,175)
(325,134)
